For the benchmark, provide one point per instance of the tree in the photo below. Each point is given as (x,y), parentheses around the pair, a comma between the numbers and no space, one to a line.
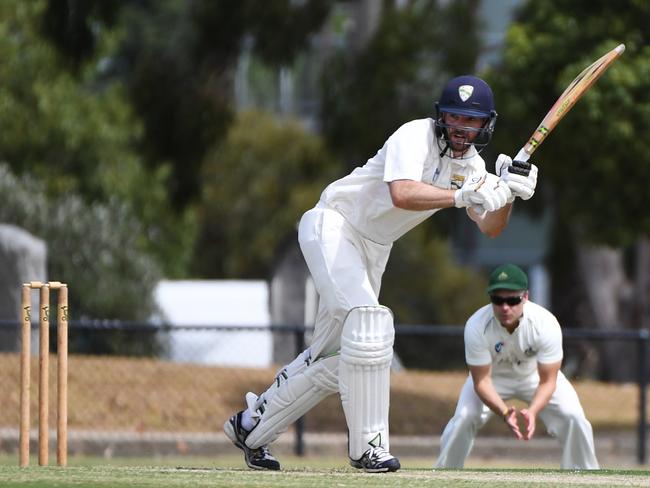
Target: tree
(177,60)
(174,62)
(256,185)
(424,285)
(77,133)
(595,155)
(94,249)
(58,125)
(397,76)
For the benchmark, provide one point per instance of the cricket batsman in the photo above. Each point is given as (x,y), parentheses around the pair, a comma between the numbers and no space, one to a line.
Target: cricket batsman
(426,166)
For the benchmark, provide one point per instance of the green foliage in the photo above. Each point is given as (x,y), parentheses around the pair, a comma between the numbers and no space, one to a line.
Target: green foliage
(76,132)
(595,163)
(424,285)
(64,128)
(94,248)
(256,185)
(279,30)
(177,59)
(397,76)
(443,282)
(76,26)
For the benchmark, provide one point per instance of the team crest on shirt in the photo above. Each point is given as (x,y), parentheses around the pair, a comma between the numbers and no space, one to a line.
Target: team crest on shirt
(530,352)
(498,346)
(457,181)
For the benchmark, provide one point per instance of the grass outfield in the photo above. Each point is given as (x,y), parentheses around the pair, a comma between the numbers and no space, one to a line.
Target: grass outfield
(316,473)
(162,477)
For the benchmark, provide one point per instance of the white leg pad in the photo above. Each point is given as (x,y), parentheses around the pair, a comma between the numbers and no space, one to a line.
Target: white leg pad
(297,389)
(364,376)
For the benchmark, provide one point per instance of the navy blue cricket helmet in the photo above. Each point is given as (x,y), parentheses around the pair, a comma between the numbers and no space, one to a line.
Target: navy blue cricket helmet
(470,96)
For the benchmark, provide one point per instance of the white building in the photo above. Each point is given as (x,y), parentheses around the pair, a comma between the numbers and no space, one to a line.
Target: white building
(217,303)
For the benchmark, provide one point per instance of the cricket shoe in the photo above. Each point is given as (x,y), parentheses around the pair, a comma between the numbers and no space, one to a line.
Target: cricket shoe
(376,460)
(259,458)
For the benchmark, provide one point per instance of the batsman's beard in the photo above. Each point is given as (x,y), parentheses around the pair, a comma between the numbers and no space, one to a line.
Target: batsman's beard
(459,140)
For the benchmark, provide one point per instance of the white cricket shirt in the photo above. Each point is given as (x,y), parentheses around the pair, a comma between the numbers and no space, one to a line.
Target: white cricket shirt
(410,153)
(538,338)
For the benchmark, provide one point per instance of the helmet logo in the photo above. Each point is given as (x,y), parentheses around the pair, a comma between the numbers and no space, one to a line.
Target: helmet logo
(465,91)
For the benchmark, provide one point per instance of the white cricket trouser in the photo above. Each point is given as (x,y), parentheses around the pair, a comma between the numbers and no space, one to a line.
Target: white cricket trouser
(563,416)
(346,269)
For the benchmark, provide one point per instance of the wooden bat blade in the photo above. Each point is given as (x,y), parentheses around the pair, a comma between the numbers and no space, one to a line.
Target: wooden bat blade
(568,99)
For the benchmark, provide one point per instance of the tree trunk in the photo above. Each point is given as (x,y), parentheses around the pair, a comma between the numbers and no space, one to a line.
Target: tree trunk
(288,294)
(609,292)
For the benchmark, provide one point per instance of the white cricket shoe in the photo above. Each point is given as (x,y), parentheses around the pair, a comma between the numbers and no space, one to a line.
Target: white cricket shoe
(376,460)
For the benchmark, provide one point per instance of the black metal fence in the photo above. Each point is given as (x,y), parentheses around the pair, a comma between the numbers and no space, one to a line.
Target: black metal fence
(639,337)
(154,340)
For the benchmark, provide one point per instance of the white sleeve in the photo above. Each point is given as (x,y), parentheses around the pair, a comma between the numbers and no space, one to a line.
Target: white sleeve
(406,152)
(550,350)
(476,351)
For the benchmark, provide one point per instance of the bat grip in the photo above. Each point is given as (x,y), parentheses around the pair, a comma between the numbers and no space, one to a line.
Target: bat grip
(521,155)
(479,210)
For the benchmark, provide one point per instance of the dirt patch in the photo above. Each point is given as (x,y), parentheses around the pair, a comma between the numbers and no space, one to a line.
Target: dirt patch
(112,393)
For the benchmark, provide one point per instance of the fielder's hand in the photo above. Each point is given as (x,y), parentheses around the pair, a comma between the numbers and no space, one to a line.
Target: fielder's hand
(520,176)
(485,193)
(510,418)
(529,421)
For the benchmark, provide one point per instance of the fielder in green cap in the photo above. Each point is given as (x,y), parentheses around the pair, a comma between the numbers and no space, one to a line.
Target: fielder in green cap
(508,277)
(513,348)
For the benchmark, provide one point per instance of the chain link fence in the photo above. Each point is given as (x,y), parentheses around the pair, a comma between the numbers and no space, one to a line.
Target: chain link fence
(140,382)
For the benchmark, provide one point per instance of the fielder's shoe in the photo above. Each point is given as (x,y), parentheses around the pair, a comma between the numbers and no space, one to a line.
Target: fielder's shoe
(259,458)
(376,460)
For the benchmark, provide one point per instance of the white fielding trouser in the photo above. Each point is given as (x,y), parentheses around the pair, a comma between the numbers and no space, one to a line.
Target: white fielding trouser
(563,417)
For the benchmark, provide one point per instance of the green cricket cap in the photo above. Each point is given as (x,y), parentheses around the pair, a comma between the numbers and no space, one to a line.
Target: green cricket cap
(507,277)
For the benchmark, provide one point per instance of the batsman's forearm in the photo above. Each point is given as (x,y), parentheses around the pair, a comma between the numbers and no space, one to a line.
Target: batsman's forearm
(415,195)
(493,223)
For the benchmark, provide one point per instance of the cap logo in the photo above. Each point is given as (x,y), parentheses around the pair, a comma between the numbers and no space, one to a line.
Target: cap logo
(502,276)
(465,91)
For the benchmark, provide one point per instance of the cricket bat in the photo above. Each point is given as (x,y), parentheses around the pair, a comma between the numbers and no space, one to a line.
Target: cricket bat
(569,97)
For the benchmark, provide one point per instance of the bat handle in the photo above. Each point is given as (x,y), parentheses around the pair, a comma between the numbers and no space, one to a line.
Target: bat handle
(479,210)
(521,155)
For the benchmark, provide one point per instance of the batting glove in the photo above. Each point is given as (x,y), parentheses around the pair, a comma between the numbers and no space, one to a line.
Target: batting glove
(520,176)
(495,193)
(485,193)
(467,195)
